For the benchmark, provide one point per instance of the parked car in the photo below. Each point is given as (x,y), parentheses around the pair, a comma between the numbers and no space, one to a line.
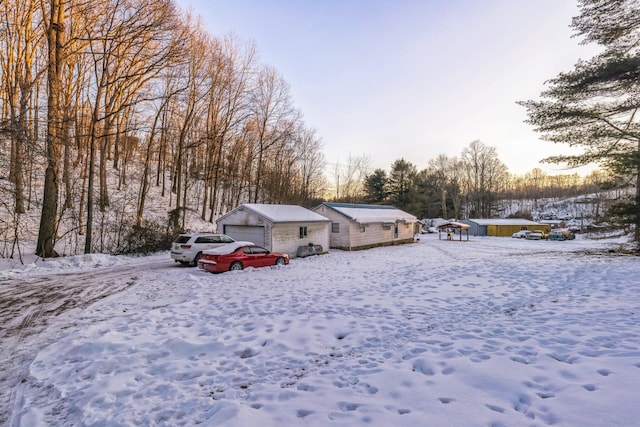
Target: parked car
(521,234)
(543,233)
(536,235)
(186,249)
(239,255)
(561,235)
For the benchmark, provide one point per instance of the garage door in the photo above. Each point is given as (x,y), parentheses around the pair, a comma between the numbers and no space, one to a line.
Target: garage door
(253,234)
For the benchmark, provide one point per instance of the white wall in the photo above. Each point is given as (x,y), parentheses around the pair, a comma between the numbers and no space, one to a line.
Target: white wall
(286,236)
(341,239)
(281,237)
(351,236)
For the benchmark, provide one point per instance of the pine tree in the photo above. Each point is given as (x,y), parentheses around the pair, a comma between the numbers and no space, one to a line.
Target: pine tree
(375,187)
(596,105)
(403,186)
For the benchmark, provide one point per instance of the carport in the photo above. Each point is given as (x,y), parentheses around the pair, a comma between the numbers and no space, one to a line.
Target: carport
(450,229)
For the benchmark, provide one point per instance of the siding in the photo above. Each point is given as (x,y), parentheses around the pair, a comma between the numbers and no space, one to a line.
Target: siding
(350,236)
(502,229)
(341,239)
(286,236)
(508,230)
(376,235)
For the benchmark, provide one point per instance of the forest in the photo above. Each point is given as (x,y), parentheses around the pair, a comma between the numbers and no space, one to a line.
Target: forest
(122,120)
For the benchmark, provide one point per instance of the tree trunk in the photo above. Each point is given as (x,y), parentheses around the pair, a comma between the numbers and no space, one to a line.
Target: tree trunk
(48,219)
(636,233)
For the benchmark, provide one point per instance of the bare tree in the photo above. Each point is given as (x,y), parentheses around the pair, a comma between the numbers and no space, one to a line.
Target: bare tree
(273,118)
(54,30)
(311,166)
(227,111)
(131,43)
(192,103)
(484,174)
(349,178)
(21,40)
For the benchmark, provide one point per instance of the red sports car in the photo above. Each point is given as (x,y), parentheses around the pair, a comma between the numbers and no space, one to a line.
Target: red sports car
(239,255)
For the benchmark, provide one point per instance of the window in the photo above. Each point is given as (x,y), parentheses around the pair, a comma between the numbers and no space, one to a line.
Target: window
(303,232)
(335,227)
(362,228)
(207,239)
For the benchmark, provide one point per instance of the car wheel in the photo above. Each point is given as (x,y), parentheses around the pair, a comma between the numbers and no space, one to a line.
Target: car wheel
(280,261)
(235,266)
(195,259)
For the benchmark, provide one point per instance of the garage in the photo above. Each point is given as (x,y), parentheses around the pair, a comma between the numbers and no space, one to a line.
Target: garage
(249,233)
(502,227)
(281,228)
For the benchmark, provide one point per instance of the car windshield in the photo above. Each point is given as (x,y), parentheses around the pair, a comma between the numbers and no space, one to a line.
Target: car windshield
(182,239)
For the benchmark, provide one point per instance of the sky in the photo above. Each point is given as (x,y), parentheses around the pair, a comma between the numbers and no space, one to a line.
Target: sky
(411,79)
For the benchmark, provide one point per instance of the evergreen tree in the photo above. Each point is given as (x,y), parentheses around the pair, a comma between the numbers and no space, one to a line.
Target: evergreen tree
(596,105)
(403,186)
(375,187)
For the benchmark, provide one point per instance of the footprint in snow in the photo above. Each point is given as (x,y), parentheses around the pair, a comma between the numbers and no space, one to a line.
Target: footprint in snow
(348,406)
(301,413)
(495,408)
(421,365)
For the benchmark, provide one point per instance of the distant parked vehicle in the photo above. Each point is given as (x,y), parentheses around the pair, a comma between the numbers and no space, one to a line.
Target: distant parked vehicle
(542,232)
(561,235)
(186,249)
(521,234)
(535,235)
(238,256)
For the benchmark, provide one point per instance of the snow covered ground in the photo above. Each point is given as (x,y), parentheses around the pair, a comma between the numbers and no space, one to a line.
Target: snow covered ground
(490,332)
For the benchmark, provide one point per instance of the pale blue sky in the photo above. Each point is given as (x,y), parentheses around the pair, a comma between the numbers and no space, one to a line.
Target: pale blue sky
(407,78)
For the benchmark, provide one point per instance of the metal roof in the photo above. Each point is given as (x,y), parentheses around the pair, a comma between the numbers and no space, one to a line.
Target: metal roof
(366,214)
(280,213)
(501,221)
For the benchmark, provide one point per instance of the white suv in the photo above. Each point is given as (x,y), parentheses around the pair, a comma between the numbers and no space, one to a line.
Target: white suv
(186,249)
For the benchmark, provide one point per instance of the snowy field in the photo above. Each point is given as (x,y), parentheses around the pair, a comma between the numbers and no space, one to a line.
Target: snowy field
(491,332)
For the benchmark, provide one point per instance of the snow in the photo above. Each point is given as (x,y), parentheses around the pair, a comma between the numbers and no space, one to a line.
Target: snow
(366,214)
(283,213)
(489,332)
(505,221)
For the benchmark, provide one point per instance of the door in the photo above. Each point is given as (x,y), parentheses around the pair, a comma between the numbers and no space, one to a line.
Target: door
(249,233)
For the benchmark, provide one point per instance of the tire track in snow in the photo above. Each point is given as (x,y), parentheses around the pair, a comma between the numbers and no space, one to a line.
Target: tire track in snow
(27,306)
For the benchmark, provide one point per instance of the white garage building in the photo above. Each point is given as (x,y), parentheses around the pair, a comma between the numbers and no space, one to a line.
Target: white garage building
(282,228)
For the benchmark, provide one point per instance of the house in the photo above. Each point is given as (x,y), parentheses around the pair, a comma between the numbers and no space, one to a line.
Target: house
(282,228)
(502,227)
(355,226)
